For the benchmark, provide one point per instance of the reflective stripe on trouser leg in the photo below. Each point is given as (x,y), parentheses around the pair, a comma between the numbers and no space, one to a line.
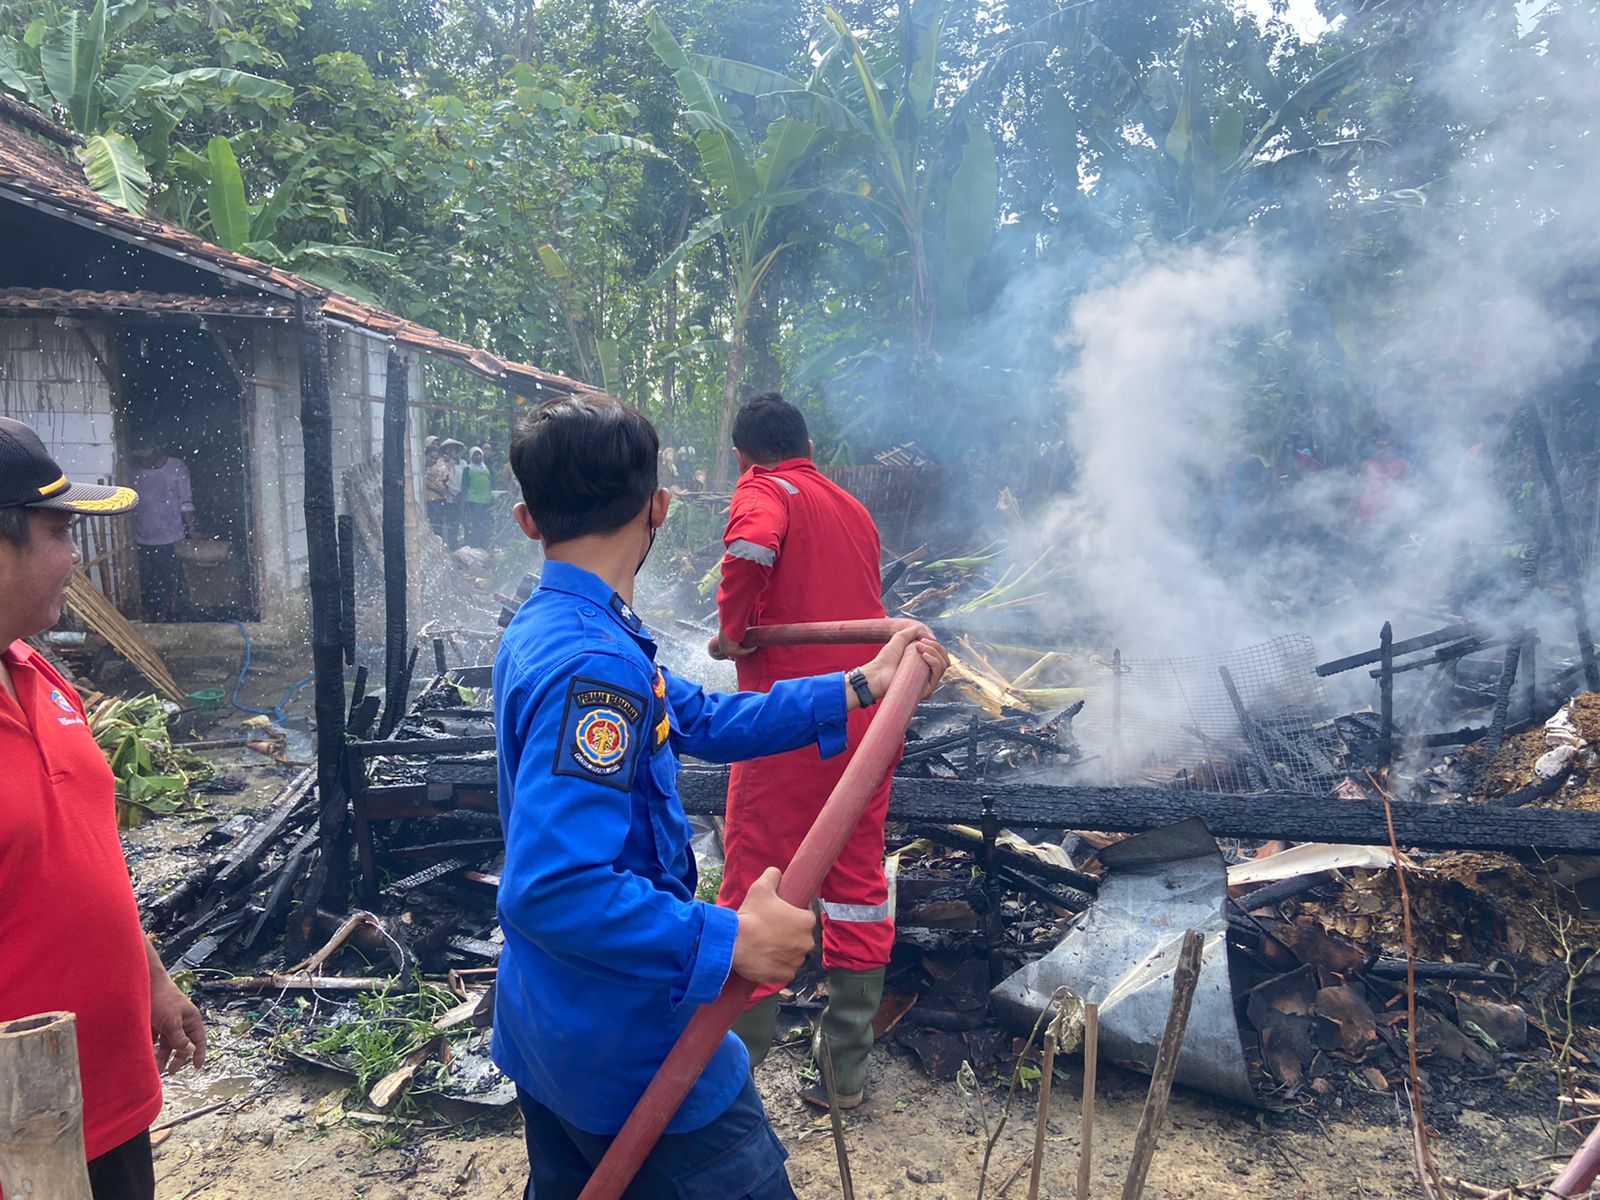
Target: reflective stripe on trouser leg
(857,913)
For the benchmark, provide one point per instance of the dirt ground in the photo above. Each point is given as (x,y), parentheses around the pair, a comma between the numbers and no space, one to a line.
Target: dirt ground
(913,1137)
(281,1123)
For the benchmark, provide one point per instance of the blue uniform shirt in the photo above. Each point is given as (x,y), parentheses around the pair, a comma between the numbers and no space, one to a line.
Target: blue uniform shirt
(607,952)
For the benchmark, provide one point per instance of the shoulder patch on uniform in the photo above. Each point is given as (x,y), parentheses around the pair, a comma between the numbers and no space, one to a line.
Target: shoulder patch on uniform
(625,613)
(600,733)
(664,725)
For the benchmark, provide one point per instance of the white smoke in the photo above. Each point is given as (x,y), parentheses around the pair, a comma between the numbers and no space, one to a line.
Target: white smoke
(1153,390)
(1477,318)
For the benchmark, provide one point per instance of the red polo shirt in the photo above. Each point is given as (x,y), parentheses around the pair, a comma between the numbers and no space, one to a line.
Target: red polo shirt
(69,930)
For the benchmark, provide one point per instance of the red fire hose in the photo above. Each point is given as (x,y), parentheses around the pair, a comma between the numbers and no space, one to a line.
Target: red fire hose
(1581,1172)
(801,880)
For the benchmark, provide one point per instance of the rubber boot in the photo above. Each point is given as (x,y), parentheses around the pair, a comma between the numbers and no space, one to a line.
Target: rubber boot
(756,1026)
(853,999)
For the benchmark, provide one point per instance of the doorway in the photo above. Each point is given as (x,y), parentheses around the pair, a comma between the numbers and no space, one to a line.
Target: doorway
(182,401)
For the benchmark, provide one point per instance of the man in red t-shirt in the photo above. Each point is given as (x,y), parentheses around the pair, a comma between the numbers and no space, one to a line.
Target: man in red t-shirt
(801,548)
(69,930)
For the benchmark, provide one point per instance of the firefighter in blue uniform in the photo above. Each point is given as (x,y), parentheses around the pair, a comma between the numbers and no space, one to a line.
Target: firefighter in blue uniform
(607,952)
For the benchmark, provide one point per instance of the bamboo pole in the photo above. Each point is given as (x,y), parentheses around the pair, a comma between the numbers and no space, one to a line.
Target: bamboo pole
(41,1109)
(100,615)
(1091,1068)
(1184,981)
(1046,1075)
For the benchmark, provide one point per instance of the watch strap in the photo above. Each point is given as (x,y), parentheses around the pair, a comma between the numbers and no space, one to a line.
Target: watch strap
(857,680)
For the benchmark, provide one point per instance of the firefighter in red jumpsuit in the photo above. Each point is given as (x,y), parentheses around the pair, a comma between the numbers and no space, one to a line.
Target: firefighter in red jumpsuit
(801,548)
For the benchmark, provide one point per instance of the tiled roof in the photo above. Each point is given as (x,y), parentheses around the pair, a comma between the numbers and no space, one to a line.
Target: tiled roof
(52,301)
(37,174)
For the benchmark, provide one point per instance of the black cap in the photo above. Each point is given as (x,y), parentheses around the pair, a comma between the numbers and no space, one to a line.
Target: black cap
(30,477)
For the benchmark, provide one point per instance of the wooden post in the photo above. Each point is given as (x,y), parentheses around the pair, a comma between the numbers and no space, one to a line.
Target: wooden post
(1046,1076)
(1184,981)
(1564,546)
(1116,716)
(395,469)
(347,587)
(41,1109)
(1091,1068)
(1528,670)
(1502,711)
(1386,689)
(322,550)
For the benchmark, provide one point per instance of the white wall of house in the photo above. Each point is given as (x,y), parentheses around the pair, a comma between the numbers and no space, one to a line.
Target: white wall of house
(51,381)
(357,372)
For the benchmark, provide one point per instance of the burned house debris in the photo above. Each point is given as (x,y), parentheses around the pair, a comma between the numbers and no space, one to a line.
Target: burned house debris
(1012,875)
(1188,847)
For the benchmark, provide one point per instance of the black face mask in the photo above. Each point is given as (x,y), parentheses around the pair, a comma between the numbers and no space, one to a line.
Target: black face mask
(651,546)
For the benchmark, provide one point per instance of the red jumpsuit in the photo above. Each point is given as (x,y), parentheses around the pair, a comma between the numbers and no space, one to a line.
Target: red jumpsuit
(801,548)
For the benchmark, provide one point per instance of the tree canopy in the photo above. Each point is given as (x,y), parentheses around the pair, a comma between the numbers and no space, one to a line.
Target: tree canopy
(886,210)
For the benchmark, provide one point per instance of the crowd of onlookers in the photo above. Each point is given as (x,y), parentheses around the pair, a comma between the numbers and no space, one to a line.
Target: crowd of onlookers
(461,492)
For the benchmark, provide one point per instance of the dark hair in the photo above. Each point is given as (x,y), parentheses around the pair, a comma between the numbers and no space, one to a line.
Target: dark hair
(587,464)
(769,429)
(15,525)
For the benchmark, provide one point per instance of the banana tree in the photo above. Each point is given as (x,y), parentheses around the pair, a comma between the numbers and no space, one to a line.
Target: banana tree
(746,184)
(929,176)
(232,222)
(63,64)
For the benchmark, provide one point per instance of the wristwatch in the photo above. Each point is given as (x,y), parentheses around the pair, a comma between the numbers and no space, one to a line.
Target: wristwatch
(857,680)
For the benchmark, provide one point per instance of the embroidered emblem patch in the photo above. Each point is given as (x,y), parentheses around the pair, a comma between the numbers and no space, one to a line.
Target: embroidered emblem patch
(602,739)
(600,733)
(61,701)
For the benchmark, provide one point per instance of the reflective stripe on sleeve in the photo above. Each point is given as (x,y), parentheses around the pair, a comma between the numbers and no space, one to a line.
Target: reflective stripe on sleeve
(754,553)
(858,913)
(785,484)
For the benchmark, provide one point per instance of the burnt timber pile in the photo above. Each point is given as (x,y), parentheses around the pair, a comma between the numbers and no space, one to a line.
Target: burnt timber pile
(996,862)
(1012,868)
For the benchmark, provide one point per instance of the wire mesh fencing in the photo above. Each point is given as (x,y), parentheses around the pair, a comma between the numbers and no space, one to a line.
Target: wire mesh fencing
(1252,719)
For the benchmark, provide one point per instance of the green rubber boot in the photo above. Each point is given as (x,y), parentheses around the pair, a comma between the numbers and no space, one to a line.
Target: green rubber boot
(853,999)
(756,1026)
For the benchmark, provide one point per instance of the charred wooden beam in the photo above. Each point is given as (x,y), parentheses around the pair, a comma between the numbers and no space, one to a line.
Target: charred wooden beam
(1445,654)
(1497,723)
(241,863)
(1292,815)
(1285,889)
(396,396)
(1468,734)
(322,549)
(1386,688)
(1366,658)
(421,747)
(282,887)
(1564,544)
(347,587)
